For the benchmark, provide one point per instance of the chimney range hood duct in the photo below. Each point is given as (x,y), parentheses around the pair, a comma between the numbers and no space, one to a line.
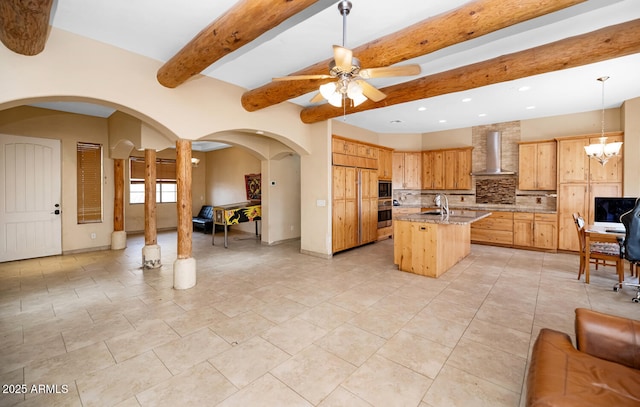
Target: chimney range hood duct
(493,164)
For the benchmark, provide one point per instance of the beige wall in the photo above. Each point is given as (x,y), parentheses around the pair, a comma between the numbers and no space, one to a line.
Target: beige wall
(225,171)
(315,194)
(631,123)
(281,199)
(570,125)
(70,129)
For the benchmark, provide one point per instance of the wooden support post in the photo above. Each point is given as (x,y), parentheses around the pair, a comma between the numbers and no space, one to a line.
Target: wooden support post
(151,251)
(150,232)
(118,204)
(184,268)
(183,175)
(119,236)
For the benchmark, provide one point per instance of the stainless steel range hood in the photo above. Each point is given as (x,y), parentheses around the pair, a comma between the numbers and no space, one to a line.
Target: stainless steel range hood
(494,159)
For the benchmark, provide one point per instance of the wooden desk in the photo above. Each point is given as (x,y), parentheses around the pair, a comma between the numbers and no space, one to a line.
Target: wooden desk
(233,214)
(597,233)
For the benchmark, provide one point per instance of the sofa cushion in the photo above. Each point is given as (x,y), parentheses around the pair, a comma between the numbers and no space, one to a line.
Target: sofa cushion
(560,375)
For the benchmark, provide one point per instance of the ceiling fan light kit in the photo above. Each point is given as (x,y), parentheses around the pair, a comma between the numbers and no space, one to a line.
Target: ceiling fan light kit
(350,88)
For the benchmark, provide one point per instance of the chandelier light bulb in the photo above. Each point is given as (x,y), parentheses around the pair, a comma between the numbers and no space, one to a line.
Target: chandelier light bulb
(328,90)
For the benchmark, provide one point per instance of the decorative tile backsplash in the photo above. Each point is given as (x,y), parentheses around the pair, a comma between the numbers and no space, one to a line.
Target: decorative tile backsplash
(496,189)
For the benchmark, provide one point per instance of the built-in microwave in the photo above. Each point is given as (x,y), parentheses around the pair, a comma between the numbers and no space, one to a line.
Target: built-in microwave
(384,189)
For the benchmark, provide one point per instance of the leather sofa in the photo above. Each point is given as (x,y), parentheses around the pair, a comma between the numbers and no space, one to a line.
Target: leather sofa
(602,370)
(204,220)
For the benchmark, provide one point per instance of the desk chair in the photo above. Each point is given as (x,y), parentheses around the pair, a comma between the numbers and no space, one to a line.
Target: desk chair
(631,247)
(600,253)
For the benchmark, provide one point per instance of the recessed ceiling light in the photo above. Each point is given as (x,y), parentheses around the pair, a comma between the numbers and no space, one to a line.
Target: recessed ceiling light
(482,115)
(530,107)
(524,88)
(395,121)
(422,109)
(466,100)
(442,121)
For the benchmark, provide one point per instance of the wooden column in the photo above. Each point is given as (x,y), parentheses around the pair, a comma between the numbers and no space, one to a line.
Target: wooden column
(118,199)
(150,232)
(183,175)
(24,25)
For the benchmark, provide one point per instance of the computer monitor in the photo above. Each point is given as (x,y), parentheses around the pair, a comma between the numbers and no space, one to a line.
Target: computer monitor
(607,210)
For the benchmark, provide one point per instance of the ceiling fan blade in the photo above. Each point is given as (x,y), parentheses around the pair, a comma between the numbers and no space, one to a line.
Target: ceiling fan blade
(343,57)
(301,77)
(371,92)
(317,98)
(384,72)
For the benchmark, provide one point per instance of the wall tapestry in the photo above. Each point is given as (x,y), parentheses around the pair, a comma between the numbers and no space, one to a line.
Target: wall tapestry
(253,184)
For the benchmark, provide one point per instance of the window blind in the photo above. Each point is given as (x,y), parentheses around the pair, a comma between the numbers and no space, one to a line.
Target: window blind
(89,182)
(165,169)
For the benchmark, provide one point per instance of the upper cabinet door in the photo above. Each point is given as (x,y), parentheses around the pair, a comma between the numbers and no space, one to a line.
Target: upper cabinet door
(537,166)
(575,163)
(527,167)
(413,170)
(612,170)
(546,162)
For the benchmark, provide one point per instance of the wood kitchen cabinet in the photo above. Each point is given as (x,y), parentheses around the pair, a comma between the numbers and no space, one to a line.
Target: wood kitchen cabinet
(351,153)
(446,169)
(407,170)
(537,166)
(580,180)
(535,230)
(355,207)
(457,165)
(576,166)
(385,163)
(612,171)
(433,169)
(497,228)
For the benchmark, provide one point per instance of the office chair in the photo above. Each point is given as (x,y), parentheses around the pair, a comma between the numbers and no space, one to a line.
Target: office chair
(631,246)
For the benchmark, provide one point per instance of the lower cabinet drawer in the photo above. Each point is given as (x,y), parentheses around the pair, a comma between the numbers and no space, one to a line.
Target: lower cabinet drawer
(491,236)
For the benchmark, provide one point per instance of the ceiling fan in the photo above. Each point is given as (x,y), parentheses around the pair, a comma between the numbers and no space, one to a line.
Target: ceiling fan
(350,77)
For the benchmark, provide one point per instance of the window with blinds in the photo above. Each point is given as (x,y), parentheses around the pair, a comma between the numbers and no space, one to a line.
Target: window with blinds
(89,179)
(166,186)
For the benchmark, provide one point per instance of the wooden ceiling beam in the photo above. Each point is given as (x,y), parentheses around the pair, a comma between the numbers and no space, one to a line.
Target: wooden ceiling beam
(607,43)
(241,24)
(469,21)
(24,25)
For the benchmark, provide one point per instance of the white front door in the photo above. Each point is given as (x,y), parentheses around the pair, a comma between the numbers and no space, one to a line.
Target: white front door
(30,220)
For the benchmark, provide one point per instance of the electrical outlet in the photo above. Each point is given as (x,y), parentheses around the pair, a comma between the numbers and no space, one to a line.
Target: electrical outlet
(93,235)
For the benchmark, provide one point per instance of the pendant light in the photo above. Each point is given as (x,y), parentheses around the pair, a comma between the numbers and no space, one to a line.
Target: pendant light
(603,151)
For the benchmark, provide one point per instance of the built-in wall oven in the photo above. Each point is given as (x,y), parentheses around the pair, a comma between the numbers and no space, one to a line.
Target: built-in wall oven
(384,189)
(384,203)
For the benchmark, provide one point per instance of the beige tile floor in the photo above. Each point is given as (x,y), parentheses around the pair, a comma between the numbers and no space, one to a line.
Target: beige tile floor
(267,326)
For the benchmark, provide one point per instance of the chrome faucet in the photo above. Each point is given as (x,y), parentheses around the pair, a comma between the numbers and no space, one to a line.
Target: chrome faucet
(438,201)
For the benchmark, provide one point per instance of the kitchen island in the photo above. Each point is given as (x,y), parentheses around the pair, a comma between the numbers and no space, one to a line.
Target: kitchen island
(430,243)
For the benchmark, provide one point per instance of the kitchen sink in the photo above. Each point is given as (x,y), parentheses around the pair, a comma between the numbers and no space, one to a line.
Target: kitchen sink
(434,213)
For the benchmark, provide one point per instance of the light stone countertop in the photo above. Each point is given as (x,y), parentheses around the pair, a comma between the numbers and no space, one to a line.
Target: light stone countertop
(456,217)
(489,207)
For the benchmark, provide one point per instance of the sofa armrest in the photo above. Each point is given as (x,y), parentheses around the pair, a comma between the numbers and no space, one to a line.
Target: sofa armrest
(608,337)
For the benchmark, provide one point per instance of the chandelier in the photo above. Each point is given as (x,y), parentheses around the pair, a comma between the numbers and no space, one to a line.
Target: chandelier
(603,151)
